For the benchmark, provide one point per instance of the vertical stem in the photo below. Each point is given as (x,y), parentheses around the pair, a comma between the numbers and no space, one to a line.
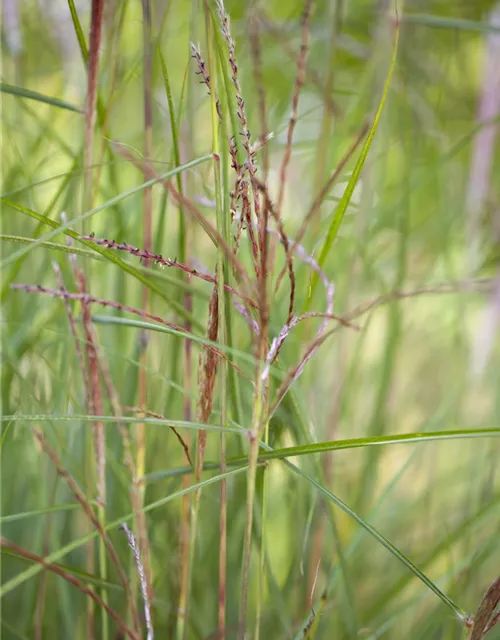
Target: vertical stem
(222,220)
(90,559)
(187,506)
(141,453)
(90,119)
(380,413)
(223,272)
(251,478)
(223,226)
(208,371)
(91,102)
(147,204)
(258,614)
(99,449)
(261,409)
(113,37)
(188,304)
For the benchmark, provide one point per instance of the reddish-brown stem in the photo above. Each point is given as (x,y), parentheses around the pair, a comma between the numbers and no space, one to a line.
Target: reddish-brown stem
(42,590)
(58,570)
(480,284)
(86,298)
(92,90)
(318,201)
(286,245)
(312,75)
(181,440)
(72,325)
(89,512)
(149,256)
(95,389)
(179,198)
(299,81)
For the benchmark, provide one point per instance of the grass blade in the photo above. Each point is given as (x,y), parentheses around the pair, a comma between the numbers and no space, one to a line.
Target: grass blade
(353,180)
(21,578)
(88,214)
(354,443)
(21,92)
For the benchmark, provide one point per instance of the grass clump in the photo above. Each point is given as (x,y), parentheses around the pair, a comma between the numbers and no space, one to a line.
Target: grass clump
(221,305)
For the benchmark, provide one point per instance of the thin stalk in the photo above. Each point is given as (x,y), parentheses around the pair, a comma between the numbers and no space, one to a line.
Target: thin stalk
(265,481)
(99,437)
(299,82)
(223,226)
(257,420)
(186,506)
(338,216)
(182,244)
(113,58)
(90,119)
(230,111)
(216,323)
(147,217)
(61,572)
(380,415)
(260,416)
(91,103)
(223,391)
(41,600)
(187,300)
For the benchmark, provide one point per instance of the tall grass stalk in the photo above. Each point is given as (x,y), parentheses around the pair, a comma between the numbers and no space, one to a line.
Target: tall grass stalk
(141,437)
(95,399)
(182,249)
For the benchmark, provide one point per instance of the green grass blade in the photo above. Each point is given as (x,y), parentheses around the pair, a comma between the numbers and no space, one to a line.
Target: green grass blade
(353,180)
(88,577)
(339,445)
(21,92)
(78,31)
(379,537)
(64,248)
(14,632)
(109,255)
(88,214)
(442,548)
(444,22)
(3,435)
(178,424)
(39,512)
(139,324)
(106,253)
(353,443)
(21,578)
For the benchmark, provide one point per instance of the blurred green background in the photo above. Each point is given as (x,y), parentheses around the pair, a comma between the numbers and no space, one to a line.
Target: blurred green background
(424,213)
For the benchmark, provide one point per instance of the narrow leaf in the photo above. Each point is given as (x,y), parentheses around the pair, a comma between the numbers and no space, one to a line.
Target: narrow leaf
(21,92)
(353,180)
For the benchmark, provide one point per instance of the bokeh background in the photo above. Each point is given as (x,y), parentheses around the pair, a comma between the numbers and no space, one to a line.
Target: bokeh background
(423,221)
